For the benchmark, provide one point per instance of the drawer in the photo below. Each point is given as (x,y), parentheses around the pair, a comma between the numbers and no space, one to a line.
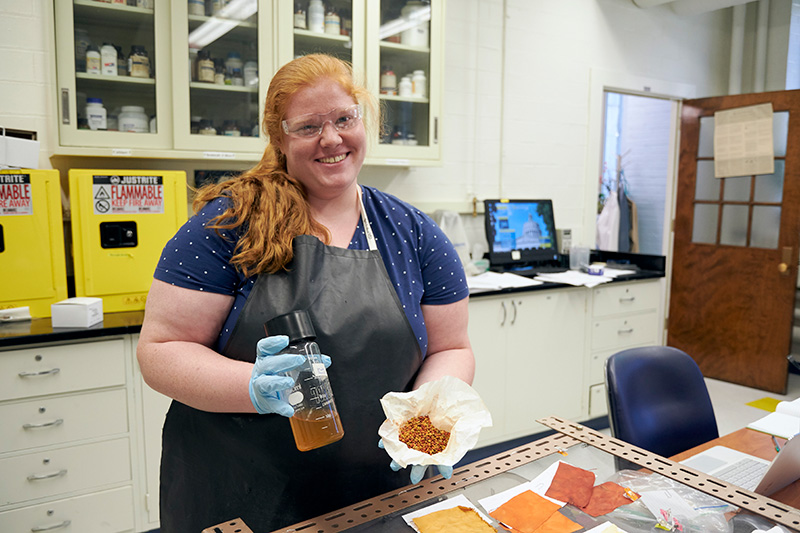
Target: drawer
(625,331)
(64,470)
(625,298)
(49,421)
(109,511)
(598,402)
(55,369)
(598,362)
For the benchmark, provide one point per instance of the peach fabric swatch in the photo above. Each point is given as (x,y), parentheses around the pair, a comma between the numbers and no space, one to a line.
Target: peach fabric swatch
(461,519)
(572,485)
(605,498)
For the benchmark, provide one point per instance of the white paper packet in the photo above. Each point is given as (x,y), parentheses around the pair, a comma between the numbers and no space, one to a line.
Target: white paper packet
(452,406)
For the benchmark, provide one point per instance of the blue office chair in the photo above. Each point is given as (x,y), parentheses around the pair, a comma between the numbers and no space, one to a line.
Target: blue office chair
(658,400)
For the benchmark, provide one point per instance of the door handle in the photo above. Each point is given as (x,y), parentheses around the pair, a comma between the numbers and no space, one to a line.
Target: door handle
(786,258)
(505,313)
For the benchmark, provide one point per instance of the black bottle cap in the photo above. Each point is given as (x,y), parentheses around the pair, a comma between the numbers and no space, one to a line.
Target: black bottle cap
(296,325)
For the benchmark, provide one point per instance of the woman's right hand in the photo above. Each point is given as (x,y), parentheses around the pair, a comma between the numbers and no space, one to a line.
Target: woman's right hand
(266,380)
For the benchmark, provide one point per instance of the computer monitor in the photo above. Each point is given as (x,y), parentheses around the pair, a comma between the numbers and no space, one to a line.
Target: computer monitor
(520,232)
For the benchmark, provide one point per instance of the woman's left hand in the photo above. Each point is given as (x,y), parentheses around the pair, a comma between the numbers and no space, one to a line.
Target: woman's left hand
(418,471)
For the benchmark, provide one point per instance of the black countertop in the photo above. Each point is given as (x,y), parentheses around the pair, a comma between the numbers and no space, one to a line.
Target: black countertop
(641,274)
(42,330)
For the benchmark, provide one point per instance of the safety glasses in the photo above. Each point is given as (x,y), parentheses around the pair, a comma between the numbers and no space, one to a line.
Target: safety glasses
(311,124)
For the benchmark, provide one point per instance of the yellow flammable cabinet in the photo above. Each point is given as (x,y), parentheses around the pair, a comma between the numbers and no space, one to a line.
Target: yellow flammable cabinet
(32,261)
(121,220)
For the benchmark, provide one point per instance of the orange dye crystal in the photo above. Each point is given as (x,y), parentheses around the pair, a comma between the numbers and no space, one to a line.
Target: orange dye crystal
(421,435)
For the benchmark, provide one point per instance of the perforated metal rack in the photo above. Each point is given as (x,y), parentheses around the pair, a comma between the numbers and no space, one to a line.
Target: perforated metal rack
(569,434)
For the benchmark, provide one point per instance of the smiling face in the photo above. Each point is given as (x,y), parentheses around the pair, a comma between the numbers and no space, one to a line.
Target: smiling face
(328,164)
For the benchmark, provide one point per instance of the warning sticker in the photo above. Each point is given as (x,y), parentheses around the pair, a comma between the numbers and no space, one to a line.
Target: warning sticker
(15,194)
(128,194)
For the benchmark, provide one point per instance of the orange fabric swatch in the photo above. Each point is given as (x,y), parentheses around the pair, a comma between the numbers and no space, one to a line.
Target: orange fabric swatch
(605,498)
(558,523)
(572,485)
(525,512)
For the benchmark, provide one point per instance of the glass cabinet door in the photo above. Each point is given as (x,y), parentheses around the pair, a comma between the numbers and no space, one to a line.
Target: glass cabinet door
(334,27)
(112,76)
(218,55)
(404,63)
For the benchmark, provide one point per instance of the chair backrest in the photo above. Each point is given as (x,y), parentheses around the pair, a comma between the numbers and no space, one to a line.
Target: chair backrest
(658,400)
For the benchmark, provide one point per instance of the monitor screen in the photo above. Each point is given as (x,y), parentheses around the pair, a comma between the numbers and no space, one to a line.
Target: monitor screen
(520,231)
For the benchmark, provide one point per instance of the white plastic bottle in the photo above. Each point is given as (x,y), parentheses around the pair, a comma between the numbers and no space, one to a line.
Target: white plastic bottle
(405,87)
(133,119)
(418,82)
(92,60)
(316,16)
(96,114)
(416,35)
(333,24)
(108,60)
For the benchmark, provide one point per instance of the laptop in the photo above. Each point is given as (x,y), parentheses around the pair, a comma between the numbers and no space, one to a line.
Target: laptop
(750,472)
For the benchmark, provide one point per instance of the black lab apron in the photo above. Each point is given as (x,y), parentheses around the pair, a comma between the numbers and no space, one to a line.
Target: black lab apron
(219,466)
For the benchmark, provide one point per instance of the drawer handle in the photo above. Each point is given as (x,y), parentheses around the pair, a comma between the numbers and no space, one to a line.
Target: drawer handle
(632,298)
(42,373)
(63,524)
(39,477)
(56,422)
(621,331)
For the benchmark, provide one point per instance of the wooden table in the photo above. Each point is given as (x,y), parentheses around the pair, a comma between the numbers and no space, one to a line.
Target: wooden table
(755,443)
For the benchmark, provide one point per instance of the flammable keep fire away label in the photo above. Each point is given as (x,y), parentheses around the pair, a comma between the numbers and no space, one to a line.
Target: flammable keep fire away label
(128,194)
(15,194)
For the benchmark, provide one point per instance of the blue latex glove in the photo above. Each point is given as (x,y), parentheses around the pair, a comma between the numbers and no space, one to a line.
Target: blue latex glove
(418,471)
(266,381)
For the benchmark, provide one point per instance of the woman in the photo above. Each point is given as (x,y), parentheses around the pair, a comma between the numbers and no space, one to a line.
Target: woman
(389,306)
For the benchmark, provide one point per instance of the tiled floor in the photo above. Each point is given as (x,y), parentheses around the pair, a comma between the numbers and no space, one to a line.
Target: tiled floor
(729,402)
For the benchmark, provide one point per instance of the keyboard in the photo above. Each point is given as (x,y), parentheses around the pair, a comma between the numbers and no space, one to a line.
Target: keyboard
(533,271)
(745,473)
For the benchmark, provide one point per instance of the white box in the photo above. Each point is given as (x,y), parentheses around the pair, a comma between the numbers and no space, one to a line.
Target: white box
(79,312)
(18,153)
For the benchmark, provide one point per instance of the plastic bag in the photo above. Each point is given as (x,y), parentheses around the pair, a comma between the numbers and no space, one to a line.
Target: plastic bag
(452,406)
(635,517)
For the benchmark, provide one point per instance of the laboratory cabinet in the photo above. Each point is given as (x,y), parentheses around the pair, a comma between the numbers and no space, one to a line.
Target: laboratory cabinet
(622,316)
(529,355)
(187,80)
(66,444)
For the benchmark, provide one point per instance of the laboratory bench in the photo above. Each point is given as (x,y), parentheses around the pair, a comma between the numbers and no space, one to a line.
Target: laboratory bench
(80,421)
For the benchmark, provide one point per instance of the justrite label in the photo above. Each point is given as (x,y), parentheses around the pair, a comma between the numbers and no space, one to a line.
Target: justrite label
(15,194)
(128,194)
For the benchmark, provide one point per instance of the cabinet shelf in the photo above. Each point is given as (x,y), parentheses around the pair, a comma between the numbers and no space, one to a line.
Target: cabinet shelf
(412,99)
(93,11)
(397,47)
(202,86)
(100,79)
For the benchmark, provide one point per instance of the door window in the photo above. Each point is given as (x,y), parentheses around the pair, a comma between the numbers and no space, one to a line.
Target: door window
(739,211)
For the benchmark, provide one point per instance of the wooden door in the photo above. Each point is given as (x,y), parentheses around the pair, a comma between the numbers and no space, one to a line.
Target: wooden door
(734,268)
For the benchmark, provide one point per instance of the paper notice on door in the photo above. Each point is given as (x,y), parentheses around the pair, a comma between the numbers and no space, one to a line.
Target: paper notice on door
(743,141)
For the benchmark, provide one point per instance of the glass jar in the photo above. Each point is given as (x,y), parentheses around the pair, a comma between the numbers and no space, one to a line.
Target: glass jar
(207,127)
(133,119)
(230,129)
(205,67)
(138,62)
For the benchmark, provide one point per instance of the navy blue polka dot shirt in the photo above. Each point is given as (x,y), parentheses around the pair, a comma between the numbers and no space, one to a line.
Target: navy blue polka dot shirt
(422,263)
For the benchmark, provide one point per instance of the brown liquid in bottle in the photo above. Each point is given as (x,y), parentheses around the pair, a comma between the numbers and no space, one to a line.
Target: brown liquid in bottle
(316,428)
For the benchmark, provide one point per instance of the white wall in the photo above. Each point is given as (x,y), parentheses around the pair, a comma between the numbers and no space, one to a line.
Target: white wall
(517,84)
